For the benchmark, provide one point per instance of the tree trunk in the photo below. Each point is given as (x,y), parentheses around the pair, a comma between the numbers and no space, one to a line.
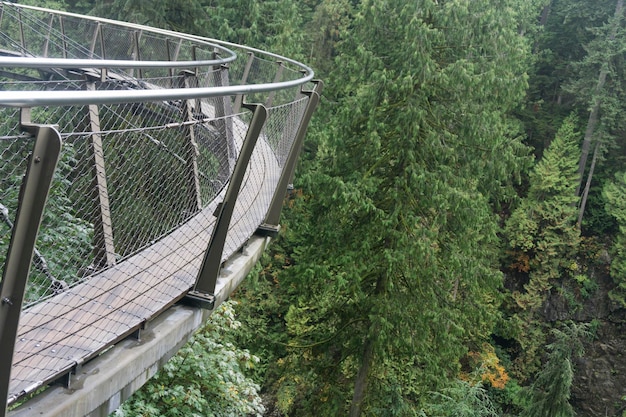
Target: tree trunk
(545,12)
(595,109)
(591,127)
(360,383)
(583,199)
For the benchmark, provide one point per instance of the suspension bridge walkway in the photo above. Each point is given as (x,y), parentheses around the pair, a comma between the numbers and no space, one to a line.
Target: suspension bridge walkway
(142,174)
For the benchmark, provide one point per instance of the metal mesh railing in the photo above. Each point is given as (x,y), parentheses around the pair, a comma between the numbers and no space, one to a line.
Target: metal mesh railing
(131,207)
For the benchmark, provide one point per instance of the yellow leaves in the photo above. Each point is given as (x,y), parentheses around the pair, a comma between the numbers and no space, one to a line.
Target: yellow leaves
(521,261)
(486,368)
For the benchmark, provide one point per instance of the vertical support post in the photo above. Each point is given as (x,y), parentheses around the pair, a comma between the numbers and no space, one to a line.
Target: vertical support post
(202,293)
(177,50)
(104,248)
(272,218)
(63,38)
(22,39)
(33,195)
(94,40)
(279,74)
(47,42)
(244,80)
(189,80)
(136,39)
(169,58)
(223,109)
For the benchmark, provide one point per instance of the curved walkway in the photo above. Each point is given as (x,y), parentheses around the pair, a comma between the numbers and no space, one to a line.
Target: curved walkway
(80,336)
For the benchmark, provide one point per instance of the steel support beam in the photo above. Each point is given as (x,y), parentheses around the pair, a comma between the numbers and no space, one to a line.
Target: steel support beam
(104,246)
(191,107)
(202,294)
(244,80)
(32,201)
(270,225)
(224,123)
(277,77)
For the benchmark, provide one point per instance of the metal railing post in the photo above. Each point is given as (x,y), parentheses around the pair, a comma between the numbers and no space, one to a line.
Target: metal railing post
(32,201)
(270,225)
(104,246)
(47,42)
(224,123)
(137,49)
(244,80)
(277,77)
(202,293)
(189,80)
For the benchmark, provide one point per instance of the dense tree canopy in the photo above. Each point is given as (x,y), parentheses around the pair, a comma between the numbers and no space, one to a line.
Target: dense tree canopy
(465,170)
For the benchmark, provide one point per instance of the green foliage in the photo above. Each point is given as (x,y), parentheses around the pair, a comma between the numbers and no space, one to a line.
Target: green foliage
(543,227)
(615,196)
(274,25)
(550,392)
(206,378)
(64,240)
(394,243)
(544,240)
(461,400)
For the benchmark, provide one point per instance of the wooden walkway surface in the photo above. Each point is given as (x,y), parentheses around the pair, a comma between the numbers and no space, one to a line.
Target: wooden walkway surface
(60,334)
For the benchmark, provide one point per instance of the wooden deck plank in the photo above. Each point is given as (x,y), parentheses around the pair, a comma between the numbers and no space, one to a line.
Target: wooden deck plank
(106,281)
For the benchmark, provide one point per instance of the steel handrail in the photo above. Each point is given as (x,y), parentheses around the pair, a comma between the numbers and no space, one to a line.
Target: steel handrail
(35,62)
(66,98)
(231,55)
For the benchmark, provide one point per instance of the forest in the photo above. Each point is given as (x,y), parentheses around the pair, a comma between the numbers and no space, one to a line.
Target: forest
(455,242)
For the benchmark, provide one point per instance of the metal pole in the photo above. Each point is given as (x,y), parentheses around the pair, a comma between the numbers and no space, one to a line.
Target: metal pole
(202,293)
(277,77)
(34,193)
(270,225)
(244,80)
(104,244)
(189,80)
(224,123)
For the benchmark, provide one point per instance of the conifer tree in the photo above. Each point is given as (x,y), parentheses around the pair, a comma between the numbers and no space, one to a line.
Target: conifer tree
(394,269)
(542,229)
(615,196)
(550,392)
(544,239)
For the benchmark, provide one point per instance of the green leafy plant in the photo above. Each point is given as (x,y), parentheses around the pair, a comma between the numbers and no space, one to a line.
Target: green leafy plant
(206,378)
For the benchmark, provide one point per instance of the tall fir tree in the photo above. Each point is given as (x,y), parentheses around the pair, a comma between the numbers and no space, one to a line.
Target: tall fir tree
(615,196)
(394,265)
(550,392)
(542,229)
(544,240)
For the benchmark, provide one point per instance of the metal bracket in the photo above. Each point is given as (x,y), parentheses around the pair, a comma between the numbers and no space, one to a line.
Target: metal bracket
(199,299)
(268,230)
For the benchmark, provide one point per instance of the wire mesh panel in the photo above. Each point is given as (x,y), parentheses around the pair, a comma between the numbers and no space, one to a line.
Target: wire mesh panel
(271,153)
(131,207)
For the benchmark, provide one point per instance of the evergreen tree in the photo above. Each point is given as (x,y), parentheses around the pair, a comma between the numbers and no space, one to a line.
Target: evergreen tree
(544,239)
(550,392)
(579,68)
(394,264)
(541,231)
(615,197)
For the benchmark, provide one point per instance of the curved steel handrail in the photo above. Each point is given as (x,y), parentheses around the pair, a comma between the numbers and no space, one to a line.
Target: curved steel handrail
(84,97)
(59,98)
(34,62)
(230,55)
